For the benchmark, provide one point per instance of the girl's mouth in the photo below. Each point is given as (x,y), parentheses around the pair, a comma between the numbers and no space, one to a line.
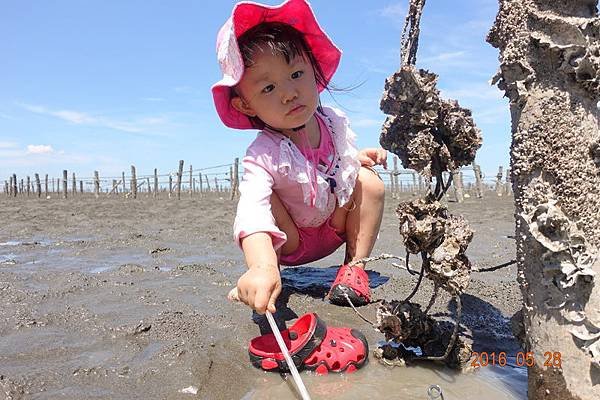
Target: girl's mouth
(295,110)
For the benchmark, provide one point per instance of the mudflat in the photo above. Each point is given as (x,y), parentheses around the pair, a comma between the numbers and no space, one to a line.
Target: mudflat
(116,298)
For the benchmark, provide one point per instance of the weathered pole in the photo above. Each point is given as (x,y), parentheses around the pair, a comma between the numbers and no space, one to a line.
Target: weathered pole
(123,181)
(507,187)
(74,186)
(478,180)
(96,184)
(64,183)
(38,185)
(550,71)
(15,185)
(155,182)
(458,187)
(395,173)
(46,185)
(134,187)
(499,181)
(81,187)
(179,177)
(235,179)
(191,180)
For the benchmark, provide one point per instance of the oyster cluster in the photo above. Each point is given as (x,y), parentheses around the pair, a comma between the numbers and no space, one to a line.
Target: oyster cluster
(425,226)
(429,134)
(406,323)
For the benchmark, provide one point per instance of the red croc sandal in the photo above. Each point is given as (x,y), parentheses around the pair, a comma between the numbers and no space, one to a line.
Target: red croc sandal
(352,281)
(342,350)
(312,345)
(301,339)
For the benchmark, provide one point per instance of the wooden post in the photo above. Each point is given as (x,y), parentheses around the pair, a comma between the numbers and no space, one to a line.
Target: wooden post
(46,186)
(478,184)
(115,186)
(74,185)
(123,181)
(200,180)
(457,185)
(499,182)
(64,184)
(507,184)
(179,177)
(207,183)
(134,187)
(148,185)
(155,182)
(191,178)
(170,186)
(216,184)
(81,187)
(96,184)
(235,191)
(395,177)
(38,185)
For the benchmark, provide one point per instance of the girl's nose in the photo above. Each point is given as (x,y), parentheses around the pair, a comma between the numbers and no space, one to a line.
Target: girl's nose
(290,93)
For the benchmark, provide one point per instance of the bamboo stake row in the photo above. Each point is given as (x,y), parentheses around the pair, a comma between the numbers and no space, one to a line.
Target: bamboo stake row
(412,183)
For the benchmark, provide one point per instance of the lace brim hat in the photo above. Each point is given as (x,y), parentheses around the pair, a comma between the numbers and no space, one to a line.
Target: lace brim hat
(246,15)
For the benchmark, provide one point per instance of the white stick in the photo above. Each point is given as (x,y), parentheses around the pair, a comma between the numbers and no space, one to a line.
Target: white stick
(288,358)
(233,295)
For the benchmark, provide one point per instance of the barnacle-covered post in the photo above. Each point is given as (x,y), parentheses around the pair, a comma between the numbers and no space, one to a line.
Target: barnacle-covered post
(432,136)
(550,71)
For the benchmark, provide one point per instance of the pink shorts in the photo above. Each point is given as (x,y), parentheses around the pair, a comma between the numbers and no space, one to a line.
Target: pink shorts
(315,243)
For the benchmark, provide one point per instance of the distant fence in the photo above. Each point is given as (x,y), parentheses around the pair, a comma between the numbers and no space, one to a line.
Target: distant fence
(224,178)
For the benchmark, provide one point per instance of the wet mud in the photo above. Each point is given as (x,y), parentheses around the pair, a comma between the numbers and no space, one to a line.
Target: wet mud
(123,299)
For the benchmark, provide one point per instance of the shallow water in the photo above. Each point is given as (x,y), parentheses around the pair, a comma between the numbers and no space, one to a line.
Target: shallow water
(84,255)
(411,383)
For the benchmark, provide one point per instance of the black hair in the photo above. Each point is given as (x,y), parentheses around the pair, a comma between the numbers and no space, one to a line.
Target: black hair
(281,39)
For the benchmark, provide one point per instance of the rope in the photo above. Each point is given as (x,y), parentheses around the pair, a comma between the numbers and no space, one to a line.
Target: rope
(410,34)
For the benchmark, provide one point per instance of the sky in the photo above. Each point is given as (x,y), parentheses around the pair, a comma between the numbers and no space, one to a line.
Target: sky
(100,85)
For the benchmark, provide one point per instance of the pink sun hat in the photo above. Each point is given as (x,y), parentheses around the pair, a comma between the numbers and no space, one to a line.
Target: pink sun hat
(246,15)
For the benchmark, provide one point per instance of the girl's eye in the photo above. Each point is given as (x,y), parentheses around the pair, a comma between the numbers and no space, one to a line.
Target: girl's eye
(297,74)
(268,89)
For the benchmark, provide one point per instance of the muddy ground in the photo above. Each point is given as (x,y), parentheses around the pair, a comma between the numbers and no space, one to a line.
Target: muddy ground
(124,299)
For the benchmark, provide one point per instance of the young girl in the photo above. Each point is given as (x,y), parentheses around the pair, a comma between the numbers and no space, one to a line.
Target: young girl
(305,189)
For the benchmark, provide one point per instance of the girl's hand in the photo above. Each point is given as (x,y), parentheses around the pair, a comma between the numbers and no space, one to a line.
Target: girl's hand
(373,156)
(259,287)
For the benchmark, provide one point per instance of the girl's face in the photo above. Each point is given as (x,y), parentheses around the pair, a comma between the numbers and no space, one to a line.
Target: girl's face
(282,95)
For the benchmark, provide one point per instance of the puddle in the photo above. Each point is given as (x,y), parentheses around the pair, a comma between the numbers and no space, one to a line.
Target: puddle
(10,243)
(8,259)
(317,281)
(378,382)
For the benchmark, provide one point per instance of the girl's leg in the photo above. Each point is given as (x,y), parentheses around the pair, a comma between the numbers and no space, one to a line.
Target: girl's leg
(284,221)
(361,217)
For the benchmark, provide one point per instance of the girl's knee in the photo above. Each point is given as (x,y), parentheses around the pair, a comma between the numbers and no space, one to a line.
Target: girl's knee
(371,183)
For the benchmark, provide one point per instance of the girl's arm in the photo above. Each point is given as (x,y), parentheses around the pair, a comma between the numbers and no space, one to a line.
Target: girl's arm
(257,234)
(260,286)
